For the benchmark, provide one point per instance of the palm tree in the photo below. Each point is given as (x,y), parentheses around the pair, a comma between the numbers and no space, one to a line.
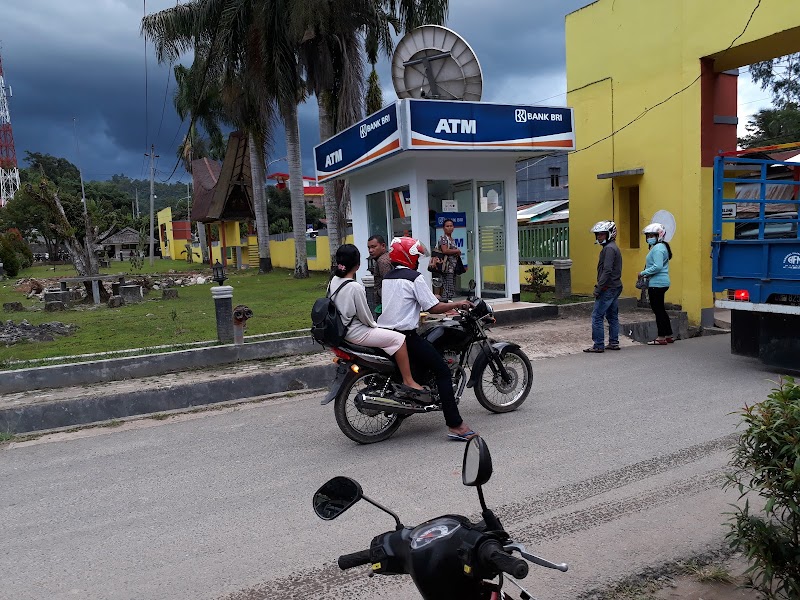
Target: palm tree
(336,36)
(331,52)
(218,87)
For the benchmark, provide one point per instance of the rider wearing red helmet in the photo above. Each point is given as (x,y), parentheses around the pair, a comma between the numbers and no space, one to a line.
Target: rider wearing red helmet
(406,293)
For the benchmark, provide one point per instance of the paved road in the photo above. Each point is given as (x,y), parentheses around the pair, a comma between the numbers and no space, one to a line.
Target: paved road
(613,465)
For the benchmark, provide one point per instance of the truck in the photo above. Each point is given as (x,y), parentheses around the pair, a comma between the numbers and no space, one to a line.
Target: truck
(756,254)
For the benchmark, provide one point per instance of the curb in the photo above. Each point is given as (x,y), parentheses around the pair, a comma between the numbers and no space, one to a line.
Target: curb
(134,367)
(82,411)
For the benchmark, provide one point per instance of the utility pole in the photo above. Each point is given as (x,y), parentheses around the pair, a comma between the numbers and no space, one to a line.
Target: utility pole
(136,212)
(152,156)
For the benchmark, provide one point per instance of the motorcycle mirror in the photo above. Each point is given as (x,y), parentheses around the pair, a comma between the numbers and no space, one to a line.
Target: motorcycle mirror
(335,497)
(472,285)
(477,468)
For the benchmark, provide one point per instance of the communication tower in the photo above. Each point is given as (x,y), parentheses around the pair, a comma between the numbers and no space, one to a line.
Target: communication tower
(9,173)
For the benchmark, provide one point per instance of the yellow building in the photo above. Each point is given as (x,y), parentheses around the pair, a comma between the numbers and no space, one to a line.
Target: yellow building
(655,99)
(174,236)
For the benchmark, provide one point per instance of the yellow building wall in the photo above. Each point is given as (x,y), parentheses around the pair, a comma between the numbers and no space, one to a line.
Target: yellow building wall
(623,57)
(168,246)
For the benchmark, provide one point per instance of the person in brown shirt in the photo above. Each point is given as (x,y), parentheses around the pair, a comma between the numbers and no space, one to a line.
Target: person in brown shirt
(382,265)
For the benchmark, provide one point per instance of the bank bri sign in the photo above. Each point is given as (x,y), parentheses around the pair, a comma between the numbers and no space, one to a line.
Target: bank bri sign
(445,125)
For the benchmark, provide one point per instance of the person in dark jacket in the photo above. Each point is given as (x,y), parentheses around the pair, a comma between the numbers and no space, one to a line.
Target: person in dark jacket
(607,289)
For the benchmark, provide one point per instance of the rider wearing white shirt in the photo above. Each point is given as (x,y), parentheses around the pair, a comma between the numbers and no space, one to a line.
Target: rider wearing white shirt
(406,293)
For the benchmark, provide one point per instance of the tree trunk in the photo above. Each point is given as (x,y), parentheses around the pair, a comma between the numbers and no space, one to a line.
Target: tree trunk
(331,206)
(260,205)
(290,121)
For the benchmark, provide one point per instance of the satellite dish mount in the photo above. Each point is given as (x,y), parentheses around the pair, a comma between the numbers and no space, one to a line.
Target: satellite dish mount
(436,63)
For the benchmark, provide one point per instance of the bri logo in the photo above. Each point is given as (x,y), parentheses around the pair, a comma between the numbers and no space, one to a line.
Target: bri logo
(792,261)
(523,116)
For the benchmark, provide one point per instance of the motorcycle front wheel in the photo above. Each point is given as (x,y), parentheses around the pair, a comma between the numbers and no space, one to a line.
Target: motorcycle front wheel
(500,396)
(364,427)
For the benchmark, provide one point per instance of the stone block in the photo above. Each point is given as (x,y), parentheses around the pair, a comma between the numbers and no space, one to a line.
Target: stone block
(13,306)
(62,296)
(115,302)
(54,306)
(169,293)
(131,293)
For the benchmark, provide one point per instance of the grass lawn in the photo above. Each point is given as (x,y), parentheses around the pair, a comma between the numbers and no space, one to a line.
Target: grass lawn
(550,298)
(279,303)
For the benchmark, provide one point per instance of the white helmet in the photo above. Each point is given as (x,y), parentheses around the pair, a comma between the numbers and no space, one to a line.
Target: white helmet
(608,227)
(655,229)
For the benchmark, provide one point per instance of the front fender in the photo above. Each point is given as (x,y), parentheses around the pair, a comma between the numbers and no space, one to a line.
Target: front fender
(482,360)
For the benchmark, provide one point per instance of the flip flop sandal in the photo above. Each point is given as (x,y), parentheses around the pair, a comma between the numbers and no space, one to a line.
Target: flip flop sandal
(670,340)
(594,350)
(657,343)
(462,437)
(615,347)
(422,395)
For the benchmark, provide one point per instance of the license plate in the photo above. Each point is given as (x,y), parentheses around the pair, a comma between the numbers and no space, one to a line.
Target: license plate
(790,299)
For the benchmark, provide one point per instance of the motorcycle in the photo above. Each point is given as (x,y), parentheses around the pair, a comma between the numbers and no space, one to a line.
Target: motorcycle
(449,557)
(369,405)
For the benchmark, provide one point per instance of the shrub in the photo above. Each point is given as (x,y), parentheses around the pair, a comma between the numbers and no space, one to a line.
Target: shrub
(537,279)
(8,257)
(766,468)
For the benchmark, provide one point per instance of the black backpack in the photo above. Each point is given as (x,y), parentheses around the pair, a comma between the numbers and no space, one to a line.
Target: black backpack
(327,327)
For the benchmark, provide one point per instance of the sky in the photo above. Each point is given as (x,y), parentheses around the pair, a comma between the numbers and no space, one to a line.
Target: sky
(81,72)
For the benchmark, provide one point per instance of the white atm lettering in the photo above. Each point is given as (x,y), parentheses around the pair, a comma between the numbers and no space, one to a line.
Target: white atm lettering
(456,126)
(333,158)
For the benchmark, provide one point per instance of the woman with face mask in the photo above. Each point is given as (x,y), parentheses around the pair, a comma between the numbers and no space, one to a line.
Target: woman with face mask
(657,272)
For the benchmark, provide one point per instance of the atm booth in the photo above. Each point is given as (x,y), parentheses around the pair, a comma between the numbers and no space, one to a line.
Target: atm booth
(417,162)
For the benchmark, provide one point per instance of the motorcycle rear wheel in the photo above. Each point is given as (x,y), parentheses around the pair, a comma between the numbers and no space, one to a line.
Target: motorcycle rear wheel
(498,396)
(363,427)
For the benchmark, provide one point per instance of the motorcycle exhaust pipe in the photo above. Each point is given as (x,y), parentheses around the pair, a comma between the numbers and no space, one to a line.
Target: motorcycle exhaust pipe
(383,404)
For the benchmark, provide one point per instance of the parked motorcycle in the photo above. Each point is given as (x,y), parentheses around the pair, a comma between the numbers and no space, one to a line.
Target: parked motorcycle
(369,405)
(449,557)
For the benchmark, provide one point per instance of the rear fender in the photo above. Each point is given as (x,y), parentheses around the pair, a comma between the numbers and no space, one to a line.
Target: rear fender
(482,360)
(344,377)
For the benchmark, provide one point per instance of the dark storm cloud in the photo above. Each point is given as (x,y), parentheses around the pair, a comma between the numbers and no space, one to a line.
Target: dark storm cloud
(86,60)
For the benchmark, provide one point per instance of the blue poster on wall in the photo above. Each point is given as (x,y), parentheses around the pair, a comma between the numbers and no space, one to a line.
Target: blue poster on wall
(459,232)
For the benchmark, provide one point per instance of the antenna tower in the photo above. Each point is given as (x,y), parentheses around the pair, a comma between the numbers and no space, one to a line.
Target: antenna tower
(9,173)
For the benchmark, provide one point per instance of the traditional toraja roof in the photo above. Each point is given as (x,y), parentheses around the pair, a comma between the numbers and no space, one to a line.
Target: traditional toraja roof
(205,173)
(233,194)
(126,235)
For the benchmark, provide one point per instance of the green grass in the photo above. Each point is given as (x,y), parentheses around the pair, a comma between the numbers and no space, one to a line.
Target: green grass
(279,303)
(124,267)
(550,298)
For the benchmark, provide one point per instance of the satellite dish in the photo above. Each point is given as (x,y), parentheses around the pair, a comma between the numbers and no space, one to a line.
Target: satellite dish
(435,62)
(667,220)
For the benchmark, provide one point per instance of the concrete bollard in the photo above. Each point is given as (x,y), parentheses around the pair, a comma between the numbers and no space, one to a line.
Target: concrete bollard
(223,306)
(563,277)
(369,286)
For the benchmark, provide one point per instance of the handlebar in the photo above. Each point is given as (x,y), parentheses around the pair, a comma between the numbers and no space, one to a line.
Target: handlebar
(492,555)
(356,559)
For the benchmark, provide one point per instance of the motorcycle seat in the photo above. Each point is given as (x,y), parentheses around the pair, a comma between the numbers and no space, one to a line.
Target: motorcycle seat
(365,350)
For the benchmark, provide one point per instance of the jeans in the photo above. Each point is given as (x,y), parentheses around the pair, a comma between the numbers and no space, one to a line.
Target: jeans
(606,307)
(421,352)
(656,296)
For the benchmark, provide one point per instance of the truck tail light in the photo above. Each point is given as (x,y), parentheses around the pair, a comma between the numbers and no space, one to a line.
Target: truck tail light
(741,296)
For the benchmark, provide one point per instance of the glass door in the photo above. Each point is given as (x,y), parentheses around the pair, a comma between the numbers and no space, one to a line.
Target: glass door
(449,199)
(491,238)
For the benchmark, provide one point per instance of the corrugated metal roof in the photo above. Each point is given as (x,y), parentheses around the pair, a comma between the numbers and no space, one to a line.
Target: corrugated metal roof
(540,208)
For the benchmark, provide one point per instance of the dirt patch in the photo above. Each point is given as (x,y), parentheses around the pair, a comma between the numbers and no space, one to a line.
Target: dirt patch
(715,576)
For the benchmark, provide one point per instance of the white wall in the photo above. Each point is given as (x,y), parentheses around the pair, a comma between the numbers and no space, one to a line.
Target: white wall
(414,169)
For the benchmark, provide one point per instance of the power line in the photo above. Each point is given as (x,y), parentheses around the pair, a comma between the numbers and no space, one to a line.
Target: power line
(164,106)
(671,96)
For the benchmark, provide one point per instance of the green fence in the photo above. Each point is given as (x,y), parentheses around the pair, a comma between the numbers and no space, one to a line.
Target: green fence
(544,242)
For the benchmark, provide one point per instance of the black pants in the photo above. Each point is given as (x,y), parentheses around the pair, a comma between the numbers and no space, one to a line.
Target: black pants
(421,353)
(656,295)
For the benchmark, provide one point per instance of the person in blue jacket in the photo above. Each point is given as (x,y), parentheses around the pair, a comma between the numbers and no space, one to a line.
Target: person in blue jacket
(657,271)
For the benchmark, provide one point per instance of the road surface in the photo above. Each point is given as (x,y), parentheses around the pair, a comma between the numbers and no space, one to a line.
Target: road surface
(613,465)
